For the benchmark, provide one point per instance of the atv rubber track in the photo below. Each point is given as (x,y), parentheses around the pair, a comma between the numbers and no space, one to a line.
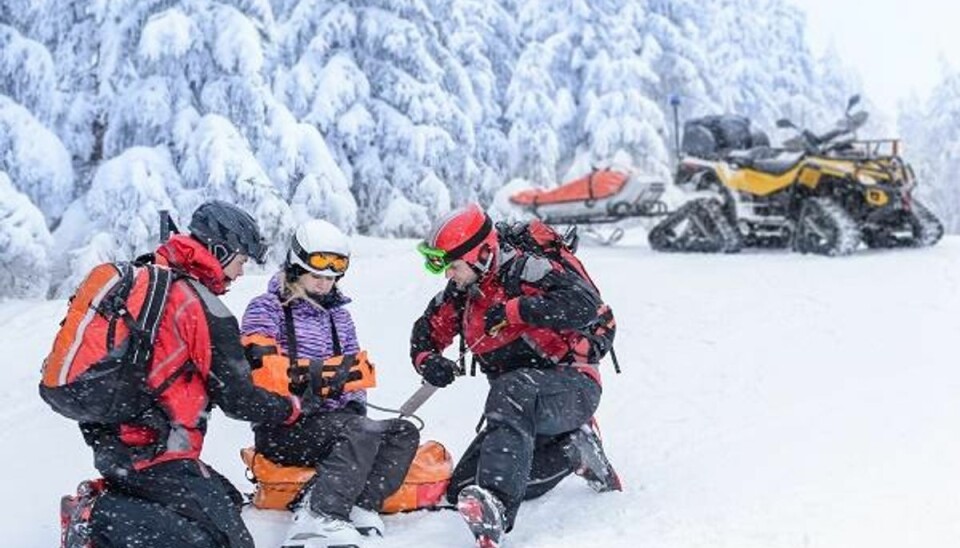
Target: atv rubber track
(699,226)
(929,229)
(825,228)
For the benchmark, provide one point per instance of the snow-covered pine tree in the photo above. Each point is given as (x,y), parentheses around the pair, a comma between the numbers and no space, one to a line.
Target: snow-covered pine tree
(542,98)
(35,160)
(27,73)
(931,135)
(298,161)
(586,79)
(682,68)
(376,79)
(24,245)
(618,111)
(188,76)
(767,75)
(122,212)
(532,112)
(71,32)
(165,58)
(218,163)
(483,36)
(18,13)
(800,93)
(744,69)
(836,82)
(678,26)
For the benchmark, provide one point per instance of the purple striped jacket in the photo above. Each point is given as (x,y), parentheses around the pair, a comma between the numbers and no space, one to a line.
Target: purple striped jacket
(264,316)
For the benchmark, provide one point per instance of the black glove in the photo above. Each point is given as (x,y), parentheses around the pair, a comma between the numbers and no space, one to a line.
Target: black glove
(438,371)
(310,403)
(495,319)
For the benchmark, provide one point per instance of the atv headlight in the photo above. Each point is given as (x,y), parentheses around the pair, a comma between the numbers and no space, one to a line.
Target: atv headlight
(877,197)
(866,179)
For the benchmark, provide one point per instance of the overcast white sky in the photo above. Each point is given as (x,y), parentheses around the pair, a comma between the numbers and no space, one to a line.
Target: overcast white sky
(898,46)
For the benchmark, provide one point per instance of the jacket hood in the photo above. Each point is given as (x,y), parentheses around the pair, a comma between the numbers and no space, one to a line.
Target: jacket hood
(183,253)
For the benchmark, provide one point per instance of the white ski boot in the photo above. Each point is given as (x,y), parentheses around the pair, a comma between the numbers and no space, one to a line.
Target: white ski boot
(312,530)
(367,522)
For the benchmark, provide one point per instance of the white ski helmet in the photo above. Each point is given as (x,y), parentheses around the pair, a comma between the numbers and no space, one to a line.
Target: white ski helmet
(320,248)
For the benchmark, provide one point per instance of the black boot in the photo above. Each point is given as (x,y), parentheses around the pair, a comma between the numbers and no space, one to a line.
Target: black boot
(484,514)
(584,447)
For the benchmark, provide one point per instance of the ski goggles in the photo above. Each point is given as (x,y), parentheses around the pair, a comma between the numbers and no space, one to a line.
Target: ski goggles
(436,261)
(322,260)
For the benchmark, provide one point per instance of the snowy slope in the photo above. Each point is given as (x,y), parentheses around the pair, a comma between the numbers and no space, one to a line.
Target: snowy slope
(768,400)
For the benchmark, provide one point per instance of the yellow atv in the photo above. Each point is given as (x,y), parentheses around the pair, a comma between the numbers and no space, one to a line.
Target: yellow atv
(821,194)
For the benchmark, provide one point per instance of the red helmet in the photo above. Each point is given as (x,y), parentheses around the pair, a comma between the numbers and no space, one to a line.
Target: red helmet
(466,233)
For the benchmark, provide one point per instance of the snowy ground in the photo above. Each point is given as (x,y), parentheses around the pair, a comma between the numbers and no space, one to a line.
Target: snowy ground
(768,400)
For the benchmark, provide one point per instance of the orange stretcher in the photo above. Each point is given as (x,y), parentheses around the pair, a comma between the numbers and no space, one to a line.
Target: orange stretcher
(595,186)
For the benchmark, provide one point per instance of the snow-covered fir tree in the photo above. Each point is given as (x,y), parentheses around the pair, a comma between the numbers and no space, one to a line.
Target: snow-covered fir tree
(377,80)
(380,116)
(72,33)
(931,134)
(25,245)
(542,97)
(618,110)
(483,37)
(27,73)
(123,206)
(189,76)
(677,28)
(583,87)
(532,111)
(35,160)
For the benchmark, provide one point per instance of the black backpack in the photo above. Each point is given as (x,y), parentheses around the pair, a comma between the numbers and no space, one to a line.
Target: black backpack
(540,239)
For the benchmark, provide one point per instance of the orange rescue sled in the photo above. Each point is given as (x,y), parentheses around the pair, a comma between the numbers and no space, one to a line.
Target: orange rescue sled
(424,486)
(603,196)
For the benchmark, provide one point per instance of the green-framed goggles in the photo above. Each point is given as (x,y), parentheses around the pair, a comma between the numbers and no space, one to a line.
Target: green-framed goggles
(436,261)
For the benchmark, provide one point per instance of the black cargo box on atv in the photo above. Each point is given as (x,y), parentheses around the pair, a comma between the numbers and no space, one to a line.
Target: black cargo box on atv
(713,136)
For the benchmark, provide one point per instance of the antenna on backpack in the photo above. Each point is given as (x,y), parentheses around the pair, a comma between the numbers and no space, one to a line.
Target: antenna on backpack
(167,226)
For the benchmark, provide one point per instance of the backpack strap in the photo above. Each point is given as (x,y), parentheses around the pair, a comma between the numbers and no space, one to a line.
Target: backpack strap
(339,379)
(512,277)
(148,323)
(337,349)
(114,305)
(291,333)
(299,378)
(157,292)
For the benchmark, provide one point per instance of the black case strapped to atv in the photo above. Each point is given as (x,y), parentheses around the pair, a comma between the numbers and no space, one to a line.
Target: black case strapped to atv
(711,136)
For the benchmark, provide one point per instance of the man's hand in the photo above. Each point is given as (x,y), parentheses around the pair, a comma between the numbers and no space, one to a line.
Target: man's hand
(495,319)
(438,371)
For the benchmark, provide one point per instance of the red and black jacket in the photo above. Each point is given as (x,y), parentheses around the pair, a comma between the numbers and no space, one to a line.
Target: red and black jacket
(197,354)
(547,308)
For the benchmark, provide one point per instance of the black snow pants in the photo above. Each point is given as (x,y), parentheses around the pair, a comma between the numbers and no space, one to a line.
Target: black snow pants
(520,455)
(175,504)
(359,461)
